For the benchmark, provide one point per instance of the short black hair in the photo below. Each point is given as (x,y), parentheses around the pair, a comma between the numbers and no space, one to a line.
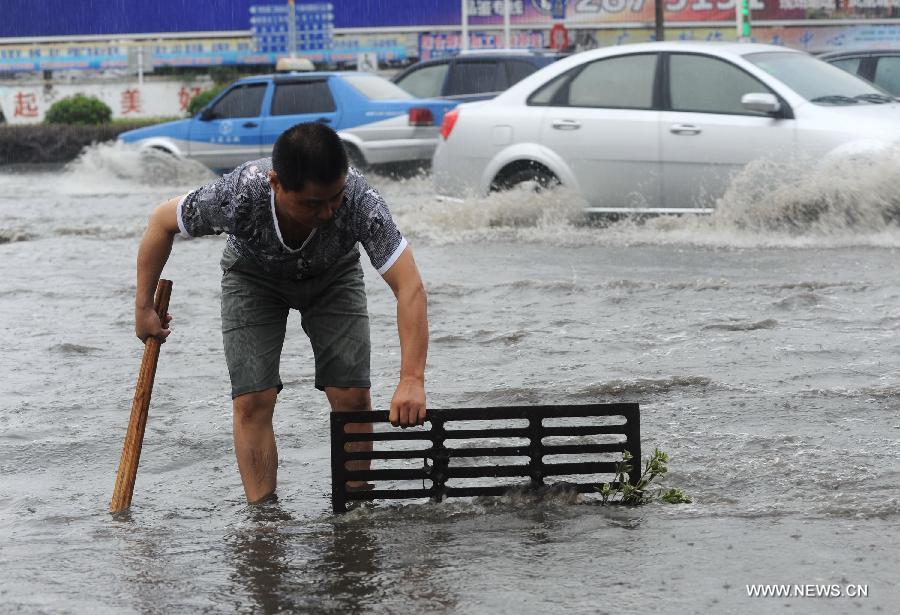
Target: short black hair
(309,152)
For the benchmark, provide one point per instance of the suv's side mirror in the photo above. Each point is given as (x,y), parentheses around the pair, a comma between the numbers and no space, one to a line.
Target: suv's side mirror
(207,114)
(761,102)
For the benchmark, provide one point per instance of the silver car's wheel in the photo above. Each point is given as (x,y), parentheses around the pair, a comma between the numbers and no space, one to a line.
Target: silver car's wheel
(535,177)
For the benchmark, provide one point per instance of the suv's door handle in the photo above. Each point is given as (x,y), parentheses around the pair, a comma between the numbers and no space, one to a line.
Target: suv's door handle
(324,120)
(249,124)
(566,125)
(684,129)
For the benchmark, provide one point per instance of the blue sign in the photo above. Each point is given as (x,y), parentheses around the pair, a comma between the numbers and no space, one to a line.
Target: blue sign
(558,11)
(270,24)
(43,18)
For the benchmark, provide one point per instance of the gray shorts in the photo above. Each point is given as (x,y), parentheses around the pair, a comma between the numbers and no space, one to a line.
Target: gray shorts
(333,314)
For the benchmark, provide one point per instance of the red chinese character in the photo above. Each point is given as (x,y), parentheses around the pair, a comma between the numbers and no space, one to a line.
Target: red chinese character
(131,101)
(26,105)
(185,96)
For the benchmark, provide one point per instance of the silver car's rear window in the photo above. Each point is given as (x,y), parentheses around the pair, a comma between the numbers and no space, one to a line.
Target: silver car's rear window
(374,87)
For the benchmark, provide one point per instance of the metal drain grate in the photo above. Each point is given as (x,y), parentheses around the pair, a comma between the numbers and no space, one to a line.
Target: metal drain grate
(451,451)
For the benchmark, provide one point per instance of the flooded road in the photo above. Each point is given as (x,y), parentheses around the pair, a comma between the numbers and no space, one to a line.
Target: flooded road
(761,345)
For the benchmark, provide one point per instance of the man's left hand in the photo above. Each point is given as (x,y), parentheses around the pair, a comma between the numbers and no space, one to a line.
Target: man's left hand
(408,403)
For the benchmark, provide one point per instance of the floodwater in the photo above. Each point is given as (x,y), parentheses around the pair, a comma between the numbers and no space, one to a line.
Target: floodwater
(761,345)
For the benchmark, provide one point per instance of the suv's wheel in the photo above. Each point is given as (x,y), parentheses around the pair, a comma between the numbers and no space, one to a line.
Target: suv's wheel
(536,177)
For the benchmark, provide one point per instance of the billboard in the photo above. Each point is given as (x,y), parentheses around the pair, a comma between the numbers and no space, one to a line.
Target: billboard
(576,13)
(27,18)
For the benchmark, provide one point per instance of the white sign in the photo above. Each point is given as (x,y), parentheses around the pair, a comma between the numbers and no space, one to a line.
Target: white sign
(367,61)
(28,104)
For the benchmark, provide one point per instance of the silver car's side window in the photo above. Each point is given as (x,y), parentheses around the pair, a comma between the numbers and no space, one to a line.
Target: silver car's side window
(241,101)
(624,82)
(551,93)
(708,85)
(887,74)
(425,82)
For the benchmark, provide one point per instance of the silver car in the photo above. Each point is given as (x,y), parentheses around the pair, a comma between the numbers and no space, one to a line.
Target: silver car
(660,126)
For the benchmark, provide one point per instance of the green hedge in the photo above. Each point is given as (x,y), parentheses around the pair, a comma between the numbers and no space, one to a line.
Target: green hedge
(79,109)
(41,143)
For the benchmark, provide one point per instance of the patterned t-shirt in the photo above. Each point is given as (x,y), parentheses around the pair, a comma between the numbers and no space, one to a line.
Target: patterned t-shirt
(242,204)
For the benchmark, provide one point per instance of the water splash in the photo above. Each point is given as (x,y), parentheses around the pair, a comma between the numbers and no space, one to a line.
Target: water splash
(515,215)
(797,203)
(828,196)
(119,168)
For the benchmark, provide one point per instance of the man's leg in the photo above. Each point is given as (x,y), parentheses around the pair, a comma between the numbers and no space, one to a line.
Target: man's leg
(254,315)
(254,442)
(351,399)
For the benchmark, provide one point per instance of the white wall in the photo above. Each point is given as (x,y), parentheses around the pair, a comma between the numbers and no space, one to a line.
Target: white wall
(27,104)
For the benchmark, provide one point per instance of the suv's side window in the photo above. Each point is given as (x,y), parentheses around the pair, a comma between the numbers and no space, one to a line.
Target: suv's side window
(709,85)
(302,97)
(625,82)
(887,74)
(240,101)
(427,81)
(474,77)
(851,65)
(518,70)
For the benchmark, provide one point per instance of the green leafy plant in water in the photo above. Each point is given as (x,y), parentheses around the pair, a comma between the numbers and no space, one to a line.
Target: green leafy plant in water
(620,490)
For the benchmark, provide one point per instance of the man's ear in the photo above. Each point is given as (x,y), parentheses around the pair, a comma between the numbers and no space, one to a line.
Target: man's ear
(273,180)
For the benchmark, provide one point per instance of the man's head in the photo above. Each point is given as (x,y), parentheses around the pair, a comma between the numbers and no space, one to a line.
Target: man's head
(309,152)
(309,174)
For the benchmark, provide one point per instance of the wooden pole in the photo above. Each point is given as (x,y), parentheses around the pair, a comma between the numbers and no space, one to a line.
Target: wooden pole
(134,437)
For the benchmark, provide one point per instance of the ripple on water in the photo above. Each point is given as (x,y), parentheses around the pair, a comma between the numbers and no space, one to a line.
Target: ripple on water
(74,349)
(14,236)
(643,386)
(768,323)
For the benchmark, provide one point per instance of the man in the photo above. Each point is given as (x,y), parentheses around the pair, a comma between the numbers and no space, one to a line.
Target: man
(293,222)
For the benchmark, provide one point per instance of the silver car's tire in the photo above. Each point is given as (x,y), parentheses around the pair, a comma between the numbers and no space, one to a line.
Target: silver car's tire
(535,176)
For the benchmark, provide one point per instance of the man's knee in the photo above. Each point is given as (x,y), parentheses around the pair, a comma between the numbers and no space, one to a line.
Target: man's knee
(348,399)
(255,407)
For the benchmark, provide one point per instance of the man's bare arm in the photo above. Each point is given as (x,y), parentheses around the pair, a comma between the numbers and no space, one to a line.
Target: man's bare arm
(153,253)
(408,403)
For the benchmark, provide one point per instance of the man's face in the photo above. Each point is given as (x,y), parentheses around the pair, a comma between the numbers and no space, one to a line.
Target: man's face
(313,205)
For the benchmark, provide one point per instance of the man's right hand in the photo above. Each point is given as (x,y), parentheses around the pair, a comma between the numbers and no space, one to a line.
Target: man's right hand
(152,255)
(147,324)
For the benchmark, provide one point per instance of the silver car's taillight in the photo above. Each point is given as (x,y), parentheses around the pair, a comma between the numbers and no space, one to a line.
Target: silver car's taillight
(449,122)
